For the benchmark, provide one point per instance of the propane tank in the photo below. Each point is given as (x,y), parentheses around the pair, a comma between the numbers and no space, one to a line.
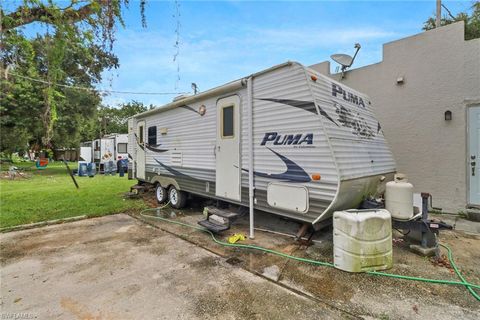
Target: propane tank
(399,198)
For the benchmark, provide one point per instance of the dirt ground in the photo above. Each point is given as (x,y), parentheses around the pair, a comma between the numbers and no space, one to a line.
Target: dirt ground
(363,295)
(117,267)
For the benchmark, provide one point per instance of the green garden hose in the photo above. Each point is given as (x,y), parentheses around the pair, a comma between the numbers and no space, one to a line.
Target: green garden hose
(463,282)
(450,258)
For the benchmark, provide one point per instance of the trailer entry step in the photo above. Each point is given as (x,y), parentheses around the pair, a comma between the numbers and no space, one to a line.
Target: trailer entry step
(215,228)
(139,188)
(225,213)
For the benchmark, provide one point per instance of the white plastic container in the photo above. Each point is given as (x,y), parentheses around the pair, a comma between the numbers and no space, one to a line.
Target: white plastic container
(362,240)
(399,198)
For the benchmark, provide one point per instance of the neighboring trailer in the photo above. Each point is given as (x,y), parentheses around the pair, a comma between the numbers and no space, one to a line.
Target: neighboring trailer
(121,145)
(109,148)
(103,151)
(314,144)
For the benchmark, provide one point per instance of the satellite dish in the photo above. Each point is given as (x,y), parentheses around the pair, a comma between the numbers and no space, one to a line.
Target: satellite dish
(345,60)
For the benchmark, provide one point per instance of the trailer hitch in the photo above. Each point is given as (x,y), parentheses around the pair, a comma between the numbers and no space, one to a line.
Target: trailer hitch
(425,229)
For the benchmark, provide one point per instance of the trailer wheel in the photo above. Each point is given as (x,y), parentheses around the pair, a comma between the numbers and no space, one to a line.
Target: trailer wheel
(161,193)
(177,198)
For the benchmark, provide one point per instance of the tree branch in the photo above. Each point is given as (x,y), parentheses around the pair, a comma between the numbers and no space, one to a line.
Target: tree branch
(448,11)
(23,15)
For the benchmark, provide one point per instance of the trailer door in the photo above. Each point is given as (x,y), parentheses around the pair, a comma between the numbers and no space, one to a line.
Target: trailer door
(473,162)
(227,149)
(140,154)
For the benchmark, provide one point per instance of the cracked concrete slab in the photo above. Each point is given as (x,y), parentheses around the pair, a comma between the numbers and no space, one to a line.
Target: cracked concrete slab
(116,267)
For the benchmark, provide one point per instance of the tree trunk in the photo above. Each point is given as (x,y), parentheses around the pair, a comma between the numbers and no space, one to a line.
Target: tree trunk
(47,121)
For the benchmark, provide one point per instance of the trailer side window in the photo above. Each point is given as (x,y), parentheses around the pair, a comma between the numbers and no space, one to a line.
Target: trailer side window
(227,122)
(122,148)
(140,134)
(152,136)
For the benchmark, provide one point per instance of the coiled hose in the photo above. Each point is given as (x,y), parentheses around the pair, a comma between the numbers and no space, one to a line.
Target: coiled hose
(463,282)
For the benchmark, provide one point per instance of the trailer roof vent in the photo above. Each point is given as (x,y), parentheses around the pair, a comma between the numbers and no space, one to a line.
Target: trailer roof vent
(180,97)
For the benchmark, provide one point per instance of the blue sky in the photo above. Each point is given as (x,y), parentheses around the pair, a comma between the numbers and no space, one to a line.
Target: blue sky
(224,40)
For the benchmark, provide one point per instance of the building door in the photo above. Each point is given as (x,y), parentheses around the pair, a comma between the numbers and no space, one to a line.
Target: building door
(227,149)
(140,154)
(474,155)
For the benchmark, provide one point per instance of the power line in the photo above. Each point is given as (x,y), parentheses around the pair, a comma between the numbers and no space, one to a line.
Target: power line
(93,89)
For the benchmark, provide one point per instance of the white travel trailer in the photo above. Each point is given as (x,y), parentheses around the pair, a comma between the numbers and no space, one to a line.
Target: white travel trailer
(286,140)
(121,145)
(103,151)
(109,148)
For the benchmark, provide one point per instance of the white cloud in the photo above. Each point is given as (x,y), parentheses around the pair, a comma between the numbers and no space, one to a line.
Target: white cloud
(147,65)
(310,37)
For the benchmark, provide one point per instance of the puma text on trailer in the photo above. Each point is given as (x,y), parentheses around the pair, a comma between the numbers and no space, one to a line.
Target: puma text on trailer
(314,144)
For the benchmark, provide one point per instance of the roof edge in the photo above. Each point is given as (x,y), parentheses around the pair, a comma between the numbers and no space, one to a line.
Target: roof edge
(229,86)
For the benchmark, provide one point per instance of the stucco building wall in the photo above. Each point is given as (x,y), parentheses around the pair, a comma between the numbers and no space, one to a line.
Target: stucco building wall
(441,72)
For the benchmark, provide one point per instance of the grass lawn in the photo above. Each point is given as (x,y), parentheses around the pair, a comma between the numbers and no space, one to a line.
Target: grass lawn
(50,194)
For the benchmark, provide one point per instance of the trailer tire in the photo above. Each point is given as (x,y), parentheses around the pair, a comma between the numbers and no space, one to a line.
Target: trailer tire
(160,193)
(177,198)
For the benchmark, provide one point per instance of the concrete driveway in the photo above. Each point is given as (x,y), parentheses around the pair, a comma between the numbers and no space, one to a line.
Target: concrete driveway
(116,267)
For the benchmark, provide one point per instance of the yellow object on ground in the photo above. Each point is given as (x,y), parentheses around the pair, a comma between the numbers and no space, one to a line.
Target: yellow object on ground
(236,237)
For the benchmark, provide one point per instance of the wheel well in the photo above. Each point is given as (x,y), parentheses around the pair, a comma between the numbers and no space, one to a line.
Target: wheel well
(165,186)
(165,182)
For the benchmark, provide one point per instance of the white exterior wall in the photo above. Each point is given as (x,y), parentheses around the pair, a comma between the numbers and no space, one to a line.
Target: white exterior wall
(441,72)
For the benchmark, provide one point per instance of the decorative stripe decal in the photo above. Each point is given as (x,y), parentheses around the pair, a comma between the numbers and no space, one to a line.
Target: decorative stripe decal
(148,146)
(304,105)
(175,172)
(138,142)
(323,113)
(294,172)
(189,108)
(155,149)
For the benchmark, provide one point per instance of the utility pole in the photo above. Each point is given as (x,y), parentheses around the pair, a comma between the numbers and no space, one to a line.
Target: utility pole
(439,14)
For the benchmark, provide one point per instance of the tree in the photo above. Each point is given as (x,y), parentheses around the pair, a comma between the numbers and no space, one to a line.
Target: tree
(49,115)
(472,21)
(98,14)
(38,102)
(115,120)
